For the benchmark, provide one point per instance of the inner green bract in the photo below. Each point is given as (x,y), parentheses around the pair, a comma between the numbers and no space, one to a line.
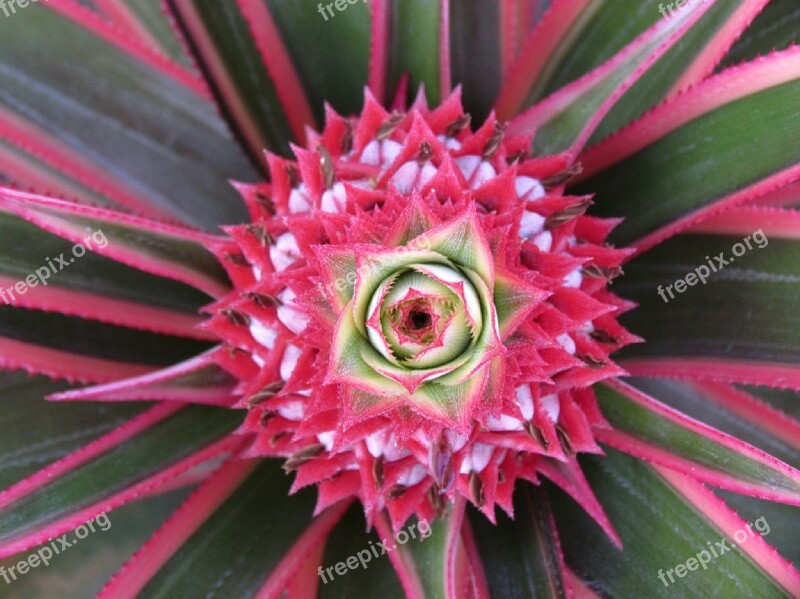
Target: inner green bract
(424,316)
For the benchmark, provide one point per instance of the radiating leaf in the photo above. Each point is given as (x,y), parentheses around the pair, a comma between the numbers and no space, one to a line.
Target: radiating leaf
(252,528)
(375,579)
(154,135)
(651,431)
(83,570)
(152,451)
(660,529)
(738,325)
(685,64)
(521,557)
(720,142)
(567,118)
(58,430)
(419,47)
(776,28)
(331,54)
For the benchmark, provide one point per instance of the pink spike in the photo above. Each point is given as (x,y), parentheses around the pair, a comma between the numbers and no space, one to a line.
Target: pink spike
(747,372)
(58,364)
(50,215)
(643,449)
(115,36)
(109,310)
(785,196)
(379,48)
(579,587)
(753,410)
(535,54)
(104,444)
(170,384)
(190,516)
(669,31)
(227,446)
(64,159)
(278,64)
(725,519)
(313,538)
(401,93)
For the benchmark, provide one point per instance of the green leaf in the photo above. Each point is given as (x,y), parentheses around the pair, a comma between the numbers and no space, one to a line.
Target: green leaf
(331,55)
(22,170)
(776,28)
(176,437)
(82,571)
(706,160)
(220,33)
(430,558)
(149,15)
(670,440)
(601,31)
(475,53)
(692,402)
(521,557)
(142,127)
(654,85)
(171,252)
(89,338)
(782,520)
(567,118)
(59,428)
(757,321)
(659,529)
(378,579)
(416,41)
(785,400)
(27,248)
(247,535)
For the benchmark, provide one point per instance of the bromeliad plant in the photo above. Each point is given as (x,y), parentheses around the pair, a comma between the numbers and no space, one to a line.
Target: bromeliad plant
(414,317)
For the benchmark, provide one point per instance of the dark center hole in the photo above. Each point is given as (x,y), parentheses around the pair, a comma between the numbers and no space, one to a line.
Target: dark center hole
(420,320)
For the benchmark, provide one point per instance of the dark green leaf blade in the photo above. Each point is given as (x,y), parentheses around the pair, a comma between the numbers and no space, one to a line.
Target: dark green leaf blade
(59,428)
(141,126)
(521,557)
(659,529)
(150,452)
(252,530)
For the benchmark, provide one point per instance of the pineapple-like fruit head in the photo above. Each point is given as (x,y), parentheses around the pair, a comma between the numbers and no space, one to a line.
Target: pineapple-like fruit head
(418,311)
